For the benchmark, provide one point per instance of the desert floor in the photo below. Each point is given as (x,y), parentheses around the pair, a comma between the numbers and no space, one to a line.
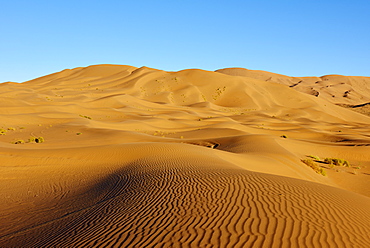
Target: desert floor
(118,156)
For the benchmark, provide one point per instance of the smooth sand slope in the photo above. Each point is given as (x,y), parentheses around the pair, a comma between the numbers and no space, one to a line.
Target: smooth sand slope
(118,156)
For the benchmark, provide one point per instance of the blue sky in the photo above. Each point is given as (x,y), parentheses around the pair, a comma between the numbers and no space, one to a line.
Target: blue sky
(295,38)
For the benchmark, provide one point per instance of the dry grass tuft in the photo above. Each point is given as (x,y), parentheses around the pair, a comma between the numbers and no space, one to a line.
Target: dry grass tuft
(336,162)
(314,166)
(36,140)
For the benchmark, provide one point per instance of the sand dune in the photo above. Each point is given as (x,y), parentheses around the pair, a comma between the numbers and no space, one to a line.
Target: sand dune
(352,92)
(139,157)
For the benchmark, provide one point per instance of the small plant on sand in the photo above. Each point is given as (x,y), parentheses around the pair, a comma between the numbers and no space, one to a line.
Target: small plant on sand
(2,131)
(218,93)
(284,136)
(19,142)
(78,133)
(36,140)
(316,158)
(315,167)
(11,128)
(85,116)
(336,162)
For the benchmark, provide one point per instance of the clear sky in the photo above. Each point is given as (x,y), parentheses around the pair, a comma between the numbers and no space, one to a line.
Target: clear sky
(295,37)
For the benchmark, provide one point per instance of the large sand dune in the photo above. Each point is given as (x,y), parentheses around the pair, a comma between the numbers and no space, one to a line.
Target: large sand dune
(138,157)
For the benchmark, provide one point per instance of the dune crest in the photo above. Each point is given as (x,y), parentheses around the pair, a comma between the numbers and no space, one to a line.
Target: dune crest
(119,156)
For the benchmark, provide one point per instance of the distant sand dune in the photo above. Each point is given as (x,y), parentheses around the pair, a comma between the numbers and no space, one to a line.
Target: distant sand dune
(341,90)
(139,157)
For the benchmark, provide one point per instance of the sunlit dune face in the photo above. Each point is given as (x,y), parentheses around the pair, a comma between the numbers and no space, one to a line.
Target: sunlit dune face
(118,156)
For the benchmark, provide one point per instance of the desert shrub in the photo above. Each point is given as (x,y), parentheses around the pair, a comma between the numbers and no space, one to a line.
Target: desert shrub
(346,163)
(11,128)
(322,172)
(85,116)
(78,133)
(284,136)
(2,131)
(315,167)
(19,142)
(336,162)
(316,158)
(36,140)
(40,140)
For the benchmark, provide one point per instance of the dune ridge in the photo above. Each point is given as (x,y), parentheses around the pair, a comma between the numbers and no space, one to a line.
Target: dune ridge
(140,157)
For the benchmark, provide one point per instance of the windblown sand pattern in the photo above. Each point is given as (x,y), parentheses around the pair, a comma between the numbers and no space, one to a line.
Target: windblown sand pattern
(138,157)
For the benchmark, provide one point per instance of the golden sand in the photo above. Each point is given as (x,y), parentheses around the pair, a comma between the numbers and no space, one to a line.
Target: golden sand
(118,156)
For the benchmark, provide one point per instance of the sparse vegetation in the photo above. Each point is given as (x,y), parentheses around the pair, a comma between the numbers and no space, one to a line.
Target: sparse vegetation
(331,162)
(19,142)
(315,167)
(336,162)
(218,93)
(284,136)
(316,158)
(78,133)
(2,131)
(11,128)
(85,116)
(36,140)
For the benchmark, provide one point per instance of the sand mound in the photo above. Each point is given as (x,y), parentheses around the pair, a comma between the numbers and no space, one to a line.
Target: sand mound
(118,156)
(351,92)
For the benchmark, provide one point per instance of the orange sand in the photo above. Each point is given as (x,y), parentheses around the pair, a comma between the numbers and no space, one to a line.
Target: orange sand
(138,157)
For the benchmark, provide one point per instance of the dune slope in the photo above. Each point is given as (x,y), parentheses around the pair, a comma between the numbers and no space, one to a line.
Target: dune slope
(118,156)
(352,92)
